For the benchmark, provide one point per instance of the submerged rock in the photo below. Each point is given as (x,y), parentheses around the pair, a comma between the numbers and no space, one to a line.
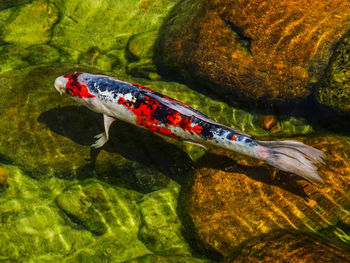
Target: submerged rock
(253,50)
(54,219)
(4,175)
(169,259)
(334,90)
(18,32)
(233,198)
(281,246)
(4,4)
(101,208)
(161,230)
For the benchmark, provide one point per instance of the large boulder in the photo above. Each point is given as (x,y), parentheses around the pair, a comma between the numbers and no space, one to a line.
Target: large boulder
(253,50)
(334,89)
(281,246)
(233,198)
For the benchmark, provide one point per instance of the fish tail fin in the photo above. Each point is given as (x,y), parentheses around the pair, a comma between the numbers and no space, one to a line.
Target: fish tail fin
(292,156)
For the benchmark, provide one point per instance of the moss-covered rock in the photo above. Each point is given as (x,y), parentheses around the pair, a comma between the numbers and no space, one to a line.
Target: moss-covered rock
(171,259)
(101,208)
(8,4)
(281,246)
(161,230)
(76,32)
(32,227)
(253,51)
(42,54)
(25,31)
(86,221)
(233,198)
(12,57)
(334,89)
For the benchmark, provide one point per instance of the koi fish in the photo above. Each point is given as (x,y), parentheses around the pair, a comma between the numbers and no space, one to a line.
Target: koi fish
(146,108)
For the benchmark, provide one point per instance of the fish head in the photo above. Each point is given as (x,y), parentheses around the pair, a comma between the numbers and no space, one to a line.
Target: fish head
(75,85)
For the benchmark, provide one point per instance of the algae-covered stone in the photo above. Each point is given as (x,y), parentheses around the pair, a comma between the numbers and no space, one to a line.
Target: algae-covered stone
(106,25)
(4,4)
(101,208)
(26,31)
(167,259)
(140,46)
(35,229)
(105,61)
(334,90)
(41,54)
(253,50)
(233,198)
(32,227)
(161,229)
(281,246)
(12,58)
(144,68)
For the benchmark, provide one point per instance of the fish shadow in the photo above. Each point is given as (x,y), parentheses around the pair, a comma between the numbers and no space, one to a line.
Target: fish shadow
(286,181)
(133,143)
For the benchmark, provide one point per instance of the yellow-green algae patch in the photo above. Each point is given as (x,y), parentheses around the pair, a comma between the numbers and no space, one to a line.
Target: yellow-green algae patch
(54,219)
(25,31)
(334,90)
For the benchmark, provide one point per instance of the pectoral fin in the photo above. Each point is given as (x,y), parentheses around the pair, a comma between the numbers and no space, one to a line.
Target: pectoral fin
(195,143)
(102,138)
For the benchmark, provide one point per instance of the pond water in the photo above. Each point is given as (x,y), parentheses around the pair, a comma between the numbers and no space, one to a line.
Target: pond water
(143,197)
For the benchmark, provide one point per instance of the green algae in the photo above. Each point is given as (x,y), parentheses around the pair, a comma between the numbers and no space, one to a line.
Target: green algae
(334,89)
(91,204)
(19,33)
(161,229)
(55,219)
(171,259)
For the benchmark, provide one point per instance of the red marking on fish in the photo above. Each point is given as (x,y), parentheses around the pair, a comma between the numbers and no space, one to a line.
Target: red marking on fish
(146,110)
(75,88)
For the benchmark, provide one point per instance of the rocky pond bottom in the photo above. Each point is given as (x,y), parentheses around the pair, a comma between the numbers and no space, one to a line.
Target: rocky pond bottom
(145,198)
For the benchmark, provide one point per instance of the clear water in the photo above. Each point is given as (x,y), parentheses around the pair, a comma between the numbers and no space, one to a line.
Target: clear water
(59,199)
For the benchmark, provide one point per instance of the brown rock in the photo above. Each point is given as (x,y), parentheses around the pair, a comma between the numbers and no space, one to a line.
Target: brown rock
(4,175)
(256,50)
(281,246)
(270,123)
(233,198)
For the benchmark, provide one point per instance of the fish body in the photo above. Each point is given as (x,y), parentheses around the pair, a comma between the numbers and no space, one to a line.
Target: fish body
(141,106)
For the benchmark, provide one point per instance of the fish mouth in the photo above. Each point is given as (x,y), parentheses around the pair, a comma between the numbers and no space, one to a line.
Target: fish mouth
(60,84)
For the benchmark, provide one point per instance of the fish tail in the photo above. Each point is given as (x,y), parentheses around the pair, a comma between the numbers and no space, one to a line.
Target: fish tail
(292,156)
